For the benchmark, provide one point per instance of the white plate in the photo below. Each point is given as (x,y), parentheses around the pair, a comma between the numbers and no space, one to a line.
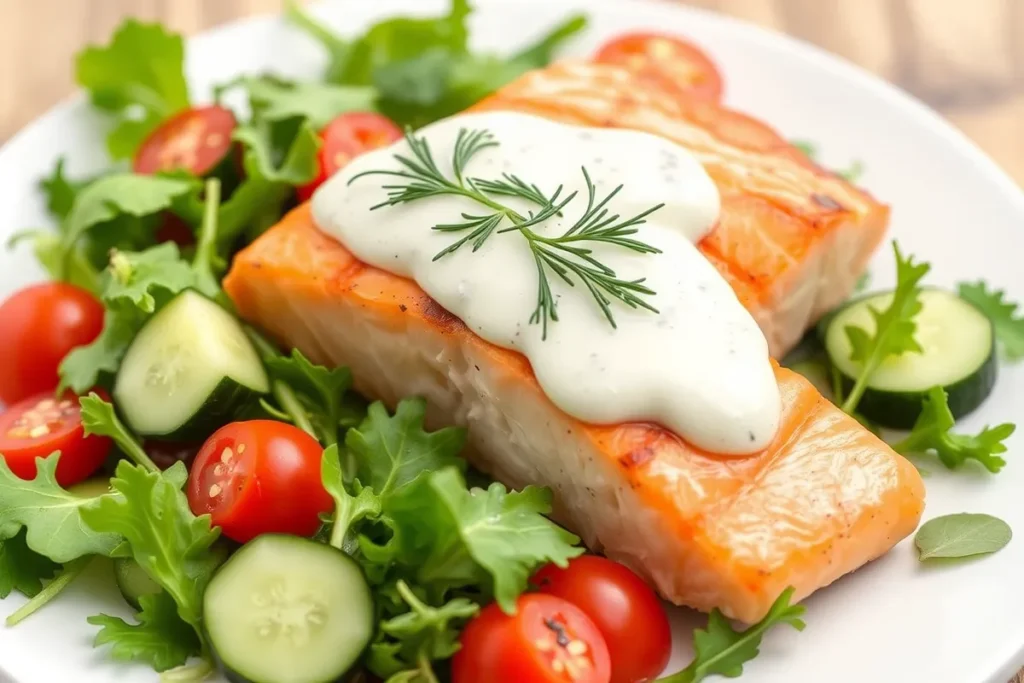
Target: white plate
(893,620)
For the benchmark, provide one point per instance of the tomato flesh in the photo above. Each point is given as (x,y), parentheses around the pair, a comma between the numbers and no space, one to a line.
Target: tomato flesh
(259,477)
(623,608)
(40,325)
(195,140)
(666,61)
(547,640)
(345,138)
(38,426)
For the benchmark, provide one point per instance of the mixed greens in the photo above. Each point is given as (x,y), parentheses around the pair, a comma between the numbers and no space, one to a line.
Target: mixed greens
(383,521)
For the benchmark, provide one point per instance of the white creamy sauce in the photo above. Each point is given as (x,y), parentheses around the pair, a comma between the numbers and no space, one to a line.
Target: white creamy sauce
(699,367)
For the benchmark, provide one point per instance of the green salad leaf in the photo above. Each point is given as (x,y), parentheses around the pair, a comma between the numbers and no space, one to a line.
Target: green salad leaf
(274,99)
(86,366)
(160,638)
(319,391)
(171,544)
(961,535)
(932,432)
(392,452)
(348,508)
(53,518)
(422,634)
(22,569)
(1006,320)
(457,537)
(61,191)
(139,77)
(721,650)
(894,327)
(136,279)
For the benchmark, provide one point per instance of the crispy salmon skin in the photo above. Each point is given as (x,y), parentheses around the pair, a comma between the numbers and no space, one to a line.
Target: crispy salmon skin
(707,531)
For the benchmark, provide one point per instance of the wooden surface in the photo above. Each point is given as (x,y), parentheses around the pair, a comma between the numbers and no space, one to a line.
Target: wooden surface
(963,57)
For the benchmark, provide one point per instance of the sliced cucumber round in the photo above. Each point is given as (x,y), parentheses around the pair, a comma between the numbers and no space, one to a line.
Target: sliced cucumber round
(958,354)
(189,370)
(286,609)
(133,581)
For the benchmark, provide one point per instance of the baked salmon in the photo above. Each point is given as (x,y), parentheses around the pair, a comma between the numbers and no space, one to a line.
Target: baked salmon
(793,238)
(707,531)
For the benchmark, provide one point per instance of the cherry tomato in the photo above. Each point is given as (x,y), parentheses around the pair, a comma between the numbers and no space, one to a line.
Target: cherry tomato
(547,640)
(195,140)
(259,477)
(42,424)
(345,138)
(623,608)
(667,60)
(38,326)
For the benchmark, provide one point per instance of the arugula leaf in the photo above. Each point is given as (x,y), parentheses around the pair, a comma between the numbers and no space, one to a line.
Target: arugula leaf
(136,278)
(319,390)
(456,537)
(163,536)
(22,569)
(274,99)
(160,638)
(61,191)
(419,636)
(98,417)
(723,651)
(961,535)
(894,327)
(931,432)
(71,571)
(86,366)
(391,453)
(48,249)
(1008,323)
(53,518)
(348,509)
(139,77)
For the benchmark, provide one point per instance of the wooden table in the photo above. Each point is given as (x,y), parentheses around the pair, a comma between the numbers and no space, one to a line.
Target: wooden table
(965,59)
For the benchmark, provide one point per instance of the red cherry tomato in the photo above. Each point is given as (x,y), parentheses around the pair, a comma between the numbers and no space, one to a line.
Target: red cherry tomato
(345,138)
(38,326)
(547,640)
(259,477)
(195,140)
(623,608)
(42,424)
(666,60)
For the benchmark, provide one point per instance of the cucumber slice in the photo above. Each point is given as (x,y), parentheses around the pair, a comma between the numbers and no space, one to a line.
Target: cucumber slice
(286,609)
(133,581)
(189,370)
(958,355)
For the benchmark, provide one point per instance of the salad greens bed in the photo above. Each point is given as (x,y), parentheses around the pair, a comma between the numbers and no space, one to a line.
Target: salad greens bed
(434,543)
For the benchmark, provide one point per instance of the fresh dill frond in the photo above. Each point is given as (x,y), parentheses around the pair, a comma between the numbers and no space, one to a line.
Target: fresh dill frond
(568,256)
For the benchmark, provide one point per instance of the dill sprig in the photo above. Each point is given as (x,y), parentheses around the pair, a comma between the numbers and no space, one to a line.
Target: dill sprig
(568,256)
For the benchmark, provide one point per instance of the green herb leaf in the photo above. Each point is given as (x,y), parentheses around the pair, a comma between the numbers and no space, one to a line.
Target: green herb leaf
(721,650)
(21,568)
(348,509)
(136,278)
(61,191)
(88,366)
(51,516)
(160,638)
(391,453)
(163,536)
(139,77)
(99,417)
(456,537)
(48,249)
(961,535)
(1008,323)
(894,328)
(932,432)
(317,103)
(421,635)
(319,390)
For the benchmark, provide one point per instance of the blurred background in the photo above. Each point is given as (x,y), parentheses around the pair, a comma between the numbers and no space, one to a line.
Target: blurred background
(965,58)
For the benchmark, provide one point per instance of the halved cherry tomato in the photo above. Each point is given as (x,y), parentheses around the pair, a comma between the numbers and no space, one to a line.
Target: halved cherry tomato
(259,477)
(39,325)
(547,640)
(665,59)
(42,424)
(195,140)
(345,138)
(623,608)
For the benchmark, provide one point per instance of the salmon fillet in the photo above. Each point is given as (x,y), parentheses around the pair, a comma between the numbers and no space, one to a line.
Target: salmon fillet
(707,531)
(793,238)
